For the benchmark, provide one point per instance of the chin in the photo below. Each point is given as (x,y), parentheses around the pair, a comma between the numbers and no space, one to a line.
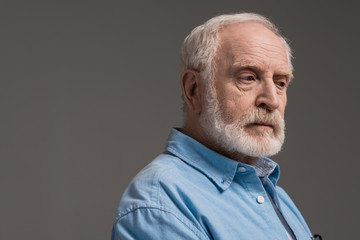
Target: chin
(254,145)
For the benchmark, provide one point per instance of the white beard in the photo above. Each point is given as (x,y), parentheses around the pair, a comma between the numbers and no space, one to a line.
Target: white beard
(235,137)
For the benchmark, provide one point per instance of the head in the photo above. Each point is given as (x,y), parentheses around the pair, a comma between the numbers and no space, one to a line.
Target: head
(200,46)
(236,69)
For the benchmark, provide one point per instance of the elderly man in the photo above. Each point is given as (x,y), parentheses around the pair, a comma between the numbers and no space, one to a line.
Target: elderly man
(214,180)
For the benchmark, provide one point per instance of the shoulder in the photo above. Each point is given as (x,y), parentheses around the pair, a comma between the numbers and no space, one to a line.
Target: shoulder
(162,183)
(153,199)
(282,192)
(287,205)
(145,185)
(285,198)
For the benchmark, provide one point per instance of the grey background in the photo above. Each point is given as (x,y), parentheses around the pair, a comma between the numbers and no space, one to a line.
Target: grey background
(90,89)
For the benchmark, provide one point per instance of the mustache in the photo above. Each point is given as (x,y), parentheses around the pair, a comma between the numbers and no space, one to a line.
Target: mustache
(264,117)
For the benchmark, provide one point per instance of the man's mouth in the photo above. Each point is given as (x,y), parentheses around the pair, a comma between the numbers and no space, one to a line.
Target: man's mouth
(261,124)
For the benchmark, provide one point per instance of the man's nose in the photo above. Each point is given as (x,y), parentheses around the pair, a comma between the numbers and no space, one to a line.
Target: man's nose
(268,97)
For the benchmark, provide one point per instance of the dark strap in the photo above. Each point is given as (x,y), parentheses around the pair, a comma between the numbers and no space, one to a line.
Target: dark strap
(317,236)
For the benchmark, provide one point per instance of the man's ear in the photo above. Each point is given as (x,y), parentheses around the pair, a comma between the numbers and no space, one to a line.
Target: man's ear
(192,90)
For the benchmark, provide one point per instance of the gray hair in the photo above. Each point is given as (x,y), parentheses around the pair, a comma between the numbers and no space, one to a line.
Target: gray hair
(199,47)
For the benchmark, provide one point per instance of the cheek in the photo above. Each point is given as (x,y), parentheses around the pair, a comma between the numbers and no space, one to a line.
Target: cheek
(233,103)
(281,110)
(232,109)
(283,105)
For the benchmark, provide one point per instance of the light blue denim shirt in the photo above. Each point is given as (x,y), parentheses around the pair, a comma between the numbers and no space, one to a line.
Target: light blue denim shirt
(192,192)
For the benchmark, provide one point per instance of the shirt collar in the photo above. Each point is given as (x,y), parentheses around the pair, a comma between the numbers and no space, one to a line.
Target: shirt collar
(220,169)
(264,167)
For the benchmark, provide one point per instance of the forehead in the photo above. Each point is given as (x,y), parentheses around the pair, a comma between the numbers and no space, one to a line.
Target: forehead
(252,43)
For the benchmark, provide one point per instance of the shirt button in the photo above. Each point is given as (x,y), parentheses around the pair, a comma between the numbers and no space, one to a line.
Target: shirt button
(260,199)
(242,169)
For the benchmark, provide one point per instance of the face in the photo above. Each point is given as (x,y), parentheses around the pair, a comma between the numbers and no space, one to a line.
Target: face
(245,104)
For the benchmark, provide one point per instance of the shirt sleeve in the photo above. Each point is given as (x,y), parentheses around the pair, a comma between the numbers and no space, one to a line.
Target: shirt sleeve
(154,224)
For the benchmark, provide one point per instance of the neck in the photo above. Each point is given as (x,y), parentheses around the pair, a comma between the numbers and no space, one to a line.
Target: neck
(243,158)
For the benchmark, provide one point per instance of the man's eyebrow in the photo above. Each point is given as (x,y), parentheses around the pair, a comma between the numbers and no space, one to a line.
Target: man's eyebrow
(246,64)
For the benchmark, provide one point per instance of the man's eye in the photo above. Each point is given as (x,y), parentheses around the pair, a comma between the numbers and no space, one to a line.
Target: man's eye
(248,78)
(281,84)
